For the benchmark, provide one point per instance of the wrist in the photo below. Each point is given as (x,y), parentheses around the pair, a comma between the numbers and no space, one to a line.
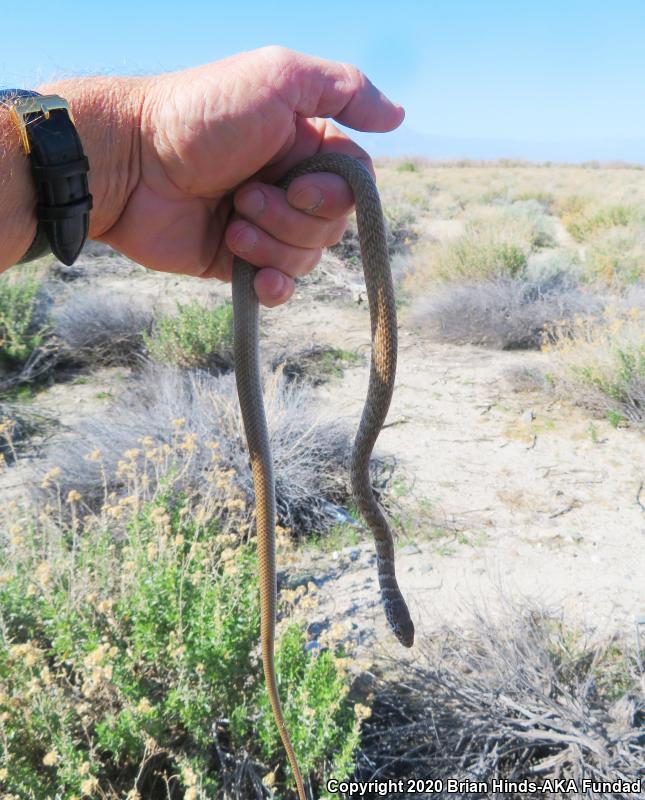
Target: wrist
(107,117)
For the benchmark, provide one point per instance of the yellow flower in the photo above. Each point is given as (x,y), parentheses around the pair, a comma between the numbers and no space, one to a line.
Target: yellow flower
(179,422)
(132,454)
(4,774)
(105,606)
(16,539)
(89,785)
(73,497)
(26,652)
(362,712)
(51,759)
(43,573)
(189,442)
(269,780)
(49,476)
(84,769)
(188,776)
(95,455)
(143,706)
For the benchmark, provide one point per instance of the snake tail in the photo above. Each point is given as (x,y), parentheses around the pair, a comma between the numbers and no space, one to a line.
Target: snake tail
(249,388)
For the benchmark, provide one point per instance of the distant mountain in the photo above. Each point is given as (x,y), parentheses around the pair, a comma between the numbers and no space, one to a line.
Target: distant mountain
(407,142)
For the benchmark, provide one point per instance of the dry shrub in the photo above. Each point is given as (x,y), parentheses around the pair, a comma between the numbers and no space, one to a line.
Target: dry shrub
(616,257)
(523,697)
(165,428)
(316,364)
(16,427)
(504,313)
(526,378)
(102,327)
(600,364)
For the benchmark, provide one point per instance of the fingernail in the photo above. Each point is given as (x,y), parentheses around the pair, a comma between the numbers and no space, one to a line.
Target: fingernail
(308,199)
(252,203)
(245,240)
(277,290)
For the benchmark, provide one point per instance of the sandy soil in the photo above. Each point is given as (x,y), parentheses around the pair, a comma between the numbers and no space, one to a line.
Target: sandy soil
(511,495)
(507,495)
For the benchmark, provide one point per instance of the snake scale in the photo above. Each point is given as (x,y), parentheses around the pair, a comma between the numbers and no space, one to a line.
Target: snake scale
(380,293)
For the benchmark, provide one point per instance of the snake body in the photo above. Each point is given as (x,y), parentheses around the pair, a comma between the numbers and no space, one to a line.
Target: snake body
(380,293)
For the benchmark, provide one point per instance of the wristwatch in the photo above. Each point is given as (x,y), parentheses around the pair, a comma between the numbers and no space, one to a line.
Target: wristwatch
(59,168)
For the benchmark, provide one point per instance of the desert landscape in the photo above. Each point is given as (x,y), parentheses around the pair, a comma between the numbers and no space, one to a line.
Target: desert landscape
(512,466)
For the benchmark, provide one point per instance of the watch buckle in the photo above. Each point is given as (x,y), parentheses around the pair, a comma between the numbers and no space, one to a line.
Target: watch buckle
(44,104)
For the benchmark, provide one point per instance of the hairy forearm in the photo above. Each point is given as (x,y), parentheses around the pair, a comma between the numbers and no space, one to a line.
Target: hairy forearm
(107,114)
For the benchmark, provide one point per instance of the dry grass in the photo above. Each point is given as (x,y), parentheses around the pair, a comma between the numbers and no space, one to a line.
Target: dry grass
(184,415)
(17,426)
(102,327)
(523,697)
(504,314)
(601,364)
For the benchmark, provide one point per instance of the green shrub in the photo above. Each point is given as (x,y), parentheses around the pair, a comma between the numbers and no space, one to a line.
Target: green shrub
(615,259)
(601,364)
(407,166)
(478,255)
(194,337)
(18,295)
(582,224)
(121,660)
(327,733)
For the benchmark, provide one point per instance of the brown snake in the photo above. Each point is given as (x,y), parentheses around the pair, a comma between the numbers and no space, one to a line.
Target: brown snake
(380,293)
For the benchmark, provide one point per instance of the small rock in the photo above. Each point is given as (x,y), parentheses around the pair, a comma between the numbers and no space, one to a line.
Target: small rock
(409,550)
(425,568)
(528,415)
(353,553)
(314,629)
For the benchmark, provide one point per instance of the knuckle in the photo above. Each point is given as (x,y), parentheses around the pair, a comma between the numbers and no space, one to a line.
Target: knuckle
(335,234)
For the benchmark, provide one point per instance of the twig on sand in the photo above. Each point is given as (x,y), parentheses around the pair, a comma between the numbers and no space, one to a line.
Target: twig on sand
(573,504)
(638,497)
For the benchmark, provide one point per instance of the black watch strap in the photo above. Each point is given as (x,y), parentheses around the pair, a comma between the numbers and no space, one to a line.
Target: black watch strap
(59,167)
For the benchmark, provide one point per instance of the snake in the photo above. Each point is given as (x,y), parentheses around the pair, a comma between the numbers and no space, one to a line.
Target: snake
(381,301)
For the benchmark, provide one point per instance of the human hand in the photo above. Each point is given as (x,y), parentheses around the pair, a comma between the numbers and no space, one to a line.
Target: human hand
(206,146)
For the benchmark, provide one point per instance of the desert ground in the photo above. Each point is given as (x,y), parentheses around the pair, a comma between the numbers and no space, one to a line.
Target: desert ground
(512,463)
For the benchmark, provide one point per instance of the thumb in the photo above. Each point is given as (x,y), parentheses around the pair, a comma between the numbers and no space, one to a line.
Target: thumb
(316,87)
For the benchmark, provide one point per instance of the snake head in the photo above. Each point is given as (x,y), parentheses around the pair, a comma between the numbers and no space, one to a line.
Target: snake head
(398,617)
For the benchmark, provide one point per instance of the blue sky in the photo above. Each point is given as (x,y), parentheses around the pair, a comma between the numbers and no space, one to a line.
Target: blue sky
(540,79)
